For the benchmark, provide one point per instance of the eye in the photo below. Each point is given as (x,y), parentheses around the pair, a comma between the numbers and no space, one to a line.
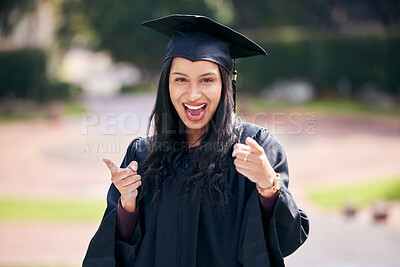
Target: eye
(207,80)
(180,80)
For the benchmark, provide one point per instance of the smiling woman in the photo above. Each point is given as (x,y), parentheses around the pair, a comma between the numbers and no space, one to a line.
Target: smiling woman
(195,91)
(206,189)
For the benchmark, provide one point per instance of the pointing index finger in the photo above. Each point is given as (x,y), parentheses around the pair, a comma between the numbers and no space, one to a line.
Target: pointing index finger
(253,144)
(110,165)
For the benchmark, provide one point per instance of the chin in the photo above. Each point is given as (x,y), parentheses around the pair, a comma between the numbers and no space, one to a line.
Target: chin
(200,125)
(194,126)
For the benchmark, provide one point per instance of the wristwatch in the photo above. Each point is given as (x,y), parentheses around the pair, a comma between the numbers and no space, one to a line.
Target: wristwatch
(275,186)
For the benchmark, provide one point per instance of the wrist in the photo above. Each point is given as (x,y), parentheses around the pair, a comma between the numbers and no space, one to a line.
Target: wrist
(267,194)
(128,204)
(267,181)
(269,191)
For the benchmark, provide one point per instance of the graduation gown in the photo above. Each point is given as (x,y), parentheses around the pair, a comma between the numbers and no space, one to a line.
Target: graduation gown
(189,233)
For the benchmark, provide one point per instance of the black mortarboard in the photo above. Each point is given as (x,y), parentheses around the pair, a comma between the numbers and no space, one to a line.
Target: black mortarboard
(199,38)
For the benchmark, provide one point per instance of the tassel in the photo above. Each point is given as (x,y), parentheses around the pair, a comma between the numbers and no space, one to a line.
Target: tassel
(234,76)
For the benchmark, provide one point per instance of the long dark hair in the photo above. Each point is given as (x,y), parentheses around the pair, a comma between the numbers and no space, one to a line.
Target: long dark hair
(208,164)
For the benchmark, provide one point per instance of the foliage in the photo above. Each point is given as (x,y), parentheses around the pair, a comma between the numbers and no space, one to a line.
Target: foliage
(323,61)
(360,194)
(140,88)
(115,26)
(23,75)
(331,14)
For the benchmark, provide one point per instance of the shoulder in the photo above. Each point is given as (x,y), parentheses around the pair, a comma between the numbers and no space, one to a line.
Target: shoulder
(254,131)
(251,129)
(138,148)
(264,137)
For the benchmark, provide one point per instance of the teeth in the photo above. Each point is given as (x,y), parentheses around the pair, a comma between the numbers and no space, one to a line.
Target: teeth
(194,107)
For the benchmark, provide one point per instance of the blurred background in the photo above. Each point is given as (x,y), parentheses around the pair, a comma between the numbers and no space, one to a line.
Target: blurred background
(78,81)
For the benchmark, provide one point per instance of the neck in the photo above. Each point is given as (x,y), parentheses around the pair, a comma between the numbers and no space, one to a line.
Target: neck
(194,137)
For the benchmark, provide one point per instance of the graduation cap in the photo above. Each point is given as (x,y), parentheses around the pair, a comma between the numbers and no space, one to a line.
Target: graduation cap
(197,37)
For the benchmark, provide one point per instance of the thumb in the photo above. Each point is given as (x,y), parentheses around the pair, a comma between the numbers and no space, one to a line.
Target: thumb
(133,166)
(110,165)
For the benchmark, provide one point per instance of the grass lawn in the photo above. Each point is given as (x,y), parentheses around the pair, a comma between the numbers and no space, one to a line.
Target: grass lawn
(335,106)
(73,109)
(20,117)
(42,112)
(359,194)
(50,210)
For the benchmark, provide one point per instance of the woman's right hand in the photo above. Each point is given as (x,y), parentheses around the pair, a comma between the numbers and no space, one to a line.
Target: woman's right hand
(126,181)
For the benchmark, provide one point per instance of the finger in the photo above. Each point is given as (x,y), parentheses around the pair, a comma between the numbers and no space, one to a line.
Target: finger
(246,156)
(239,147)
(130,188)
(244,165)
(121,175)
(254,145)
(121,182)
(129,192)
(133,166)
(134,185)
(110,165)
(133,179)
(252,161)
(125,173)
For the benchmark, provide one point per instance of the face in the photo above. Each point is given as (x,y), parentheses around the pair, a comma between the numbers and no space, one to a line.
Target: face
(195,90)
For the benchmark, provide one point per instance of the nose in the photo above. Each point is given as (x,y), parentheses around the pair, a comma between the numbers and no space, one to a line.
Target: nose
(194,93)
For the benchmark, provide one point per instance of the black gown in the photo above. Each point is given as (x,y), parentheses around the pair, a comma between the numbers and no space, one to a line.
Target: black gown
(182,233)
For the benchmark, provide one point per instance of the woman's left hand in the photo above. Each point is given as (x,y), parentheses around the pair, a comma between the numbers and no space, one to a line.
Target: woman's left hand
(252,163)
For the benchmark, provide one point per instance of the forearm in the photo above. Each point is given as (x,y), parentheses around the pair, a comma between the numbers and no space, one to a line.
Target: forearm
(128,204)
(267,205)
(126,222)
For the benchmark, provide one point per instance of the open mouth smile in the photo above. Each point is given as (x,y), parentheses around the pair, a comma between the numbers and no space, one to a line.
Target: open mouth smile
(195,112)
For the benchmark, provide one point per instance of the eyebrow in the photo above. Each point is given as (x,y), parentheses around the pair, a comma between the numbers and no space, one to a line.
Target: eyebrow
(202,75)
(208,74)
(179,73)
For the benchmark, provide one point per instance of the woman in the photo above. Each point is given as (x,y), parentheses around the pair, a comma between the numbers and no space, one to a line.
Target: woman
(205,189)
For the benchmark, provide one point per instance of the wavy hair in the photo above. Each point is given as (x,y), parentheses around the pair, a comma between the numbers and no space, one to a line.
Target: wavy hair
(208,164)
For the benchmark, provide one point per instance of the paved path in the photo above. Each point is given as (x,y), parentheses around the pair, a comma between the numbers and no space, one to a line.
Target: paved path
(63,159)
(340,242)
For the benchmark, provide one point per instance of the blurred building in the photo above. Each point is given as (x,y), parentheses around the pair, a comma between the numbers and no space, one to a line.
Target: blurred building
(96,73)
(33,26)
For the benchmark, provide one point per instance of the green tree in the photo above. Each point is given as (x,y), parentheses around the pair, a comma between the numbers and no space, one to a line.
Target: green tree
(114,26)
